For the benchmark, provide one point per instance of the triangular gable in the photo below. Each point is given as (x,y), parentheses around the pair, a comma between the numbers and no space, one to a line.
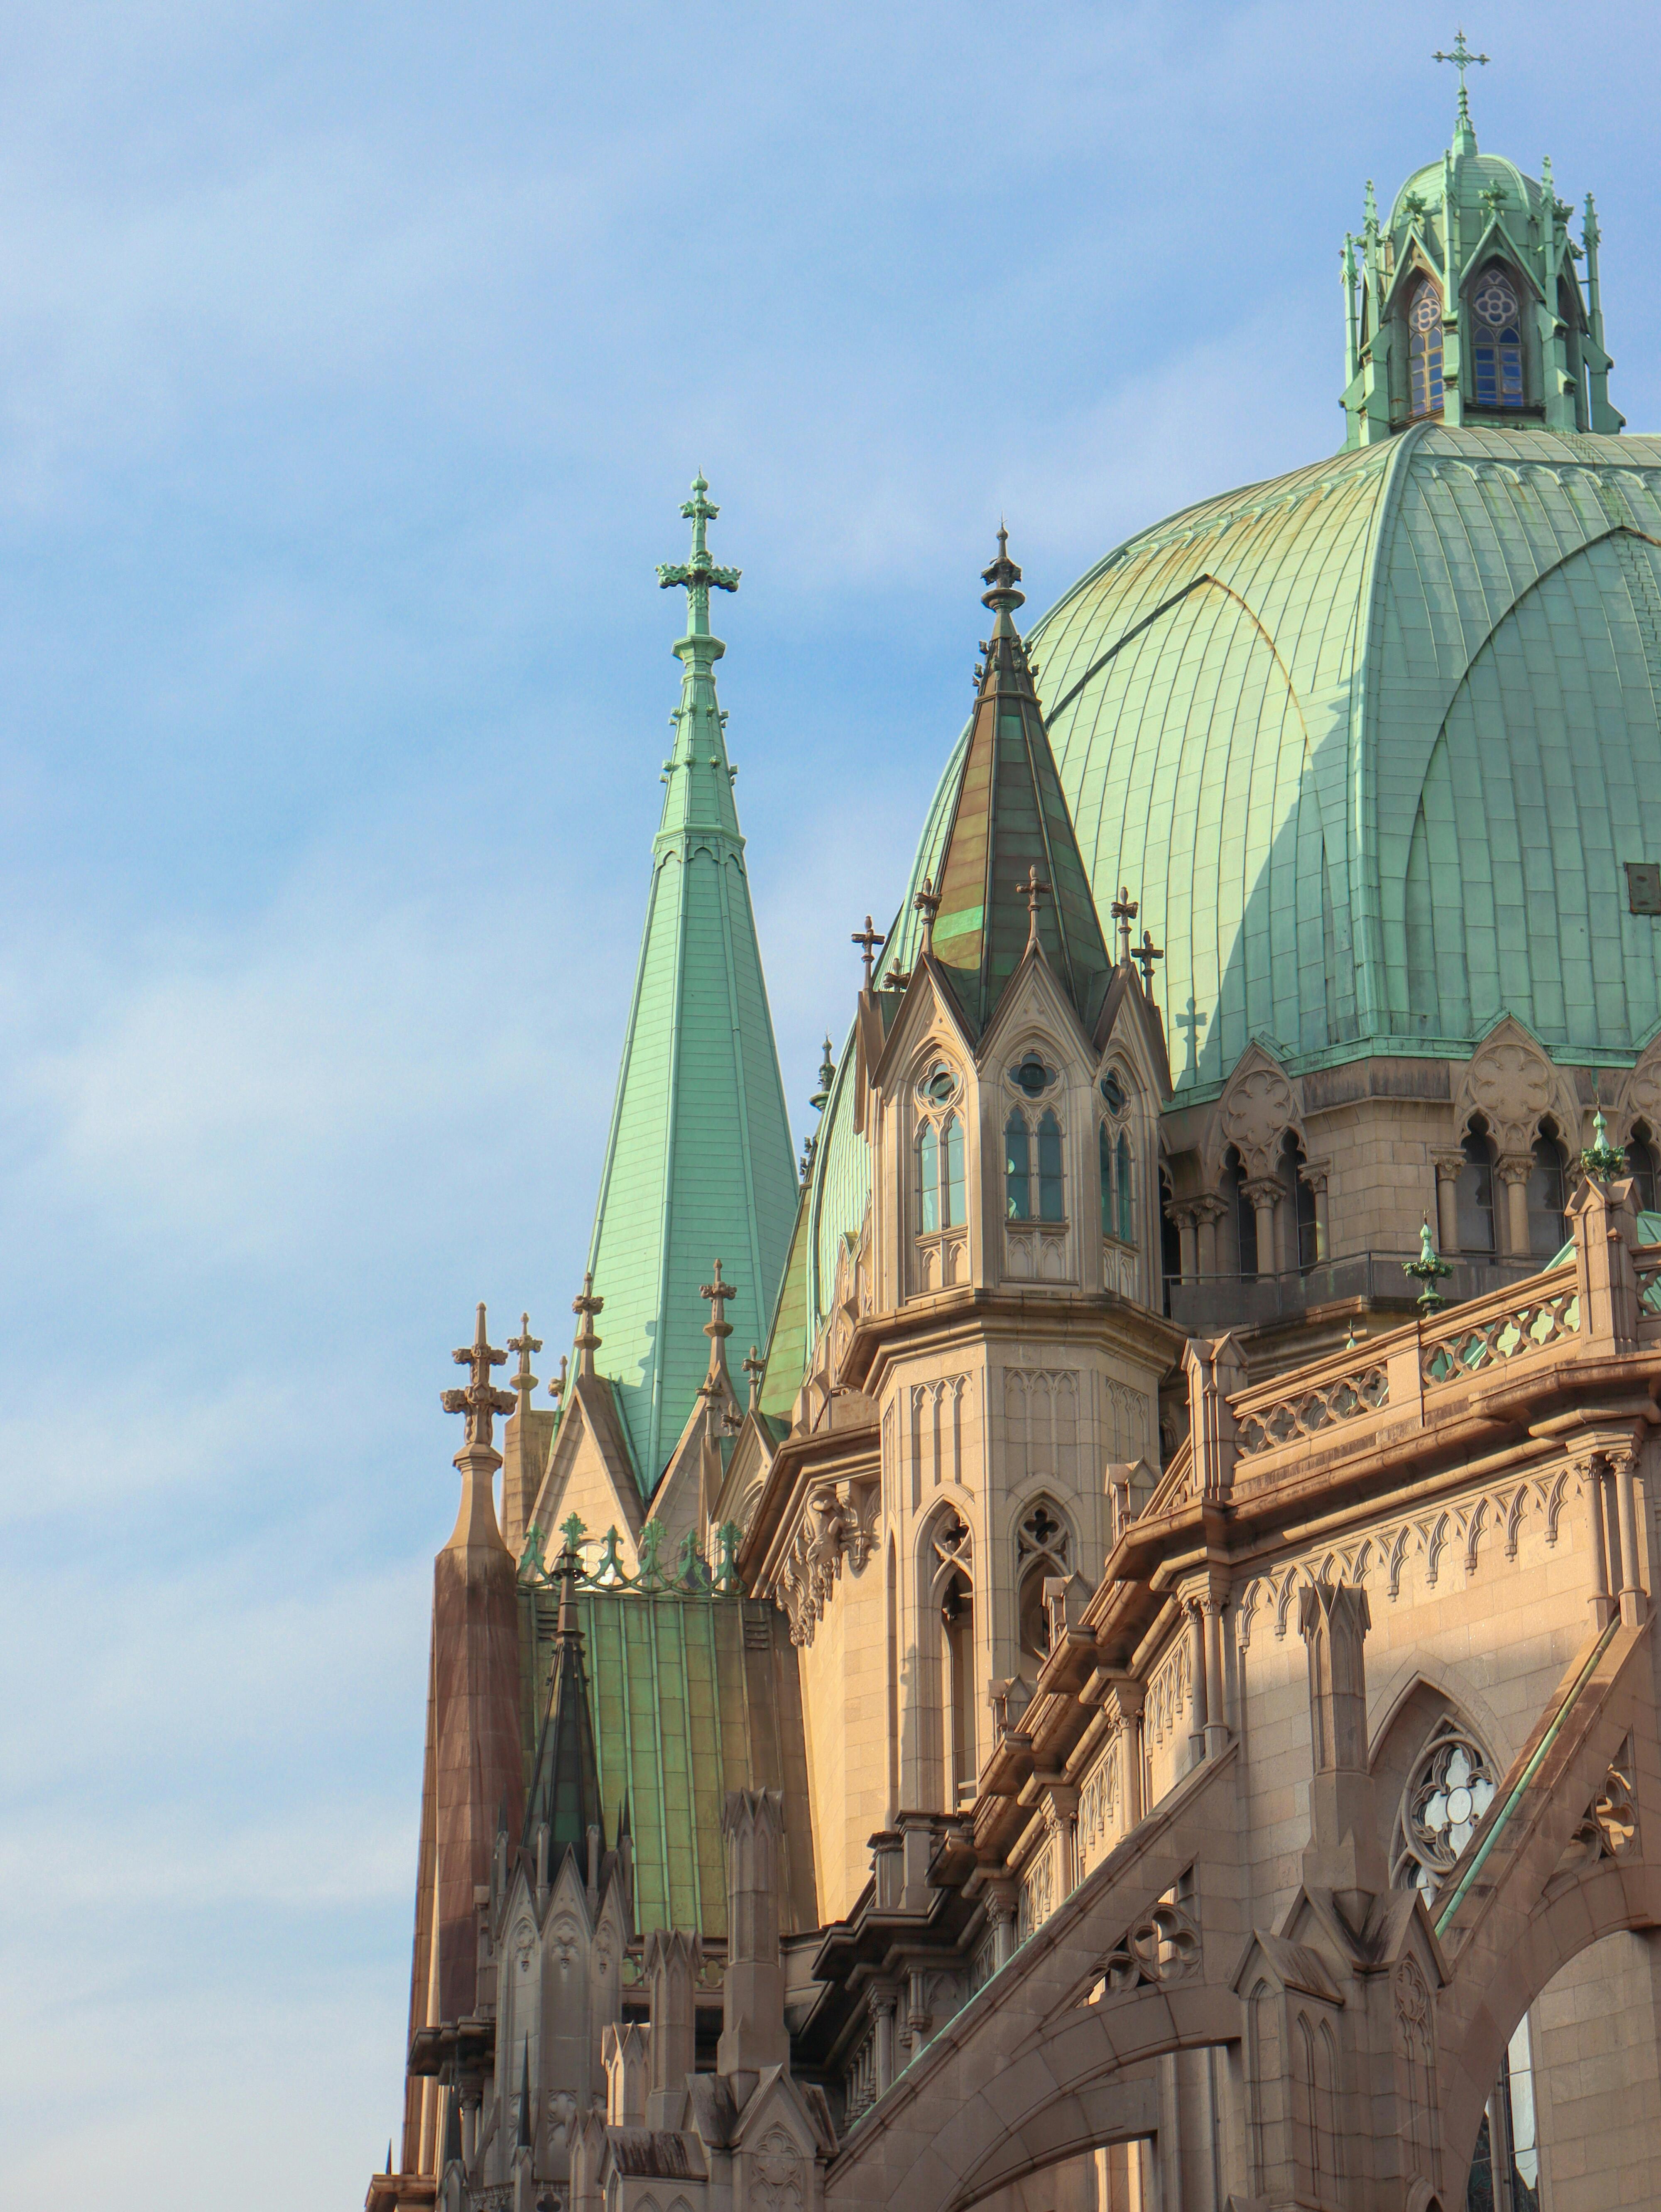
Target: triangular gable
(686,1498)
(1497,241)
(590,1473)
(1128,1013)
(1416,260)
(779,2101)
(1034,994)
(929,1000)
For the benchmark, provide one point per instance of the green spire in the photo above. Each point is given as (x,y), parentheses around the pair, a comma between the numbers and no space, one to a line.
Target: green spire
(699,1158)
(1009,817)
(565,1786)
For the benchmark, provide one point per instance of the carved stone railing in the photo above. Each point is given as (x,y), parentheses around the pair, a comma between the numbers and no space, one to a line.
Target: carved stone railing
(1491,1331)
(1273,1415)
(859,2079)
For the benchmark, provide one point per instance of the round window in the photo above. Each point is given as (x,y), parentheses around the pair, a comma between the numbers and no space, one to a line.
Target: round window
(1494,300)
(1113,1092)
(939,1084)
(1031,1075)
(1451,1787)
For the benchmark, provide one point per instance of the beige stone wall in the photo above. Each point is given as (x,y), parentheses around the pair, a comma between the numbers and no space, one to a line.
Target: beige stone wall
(844,1684)
(1597,2077)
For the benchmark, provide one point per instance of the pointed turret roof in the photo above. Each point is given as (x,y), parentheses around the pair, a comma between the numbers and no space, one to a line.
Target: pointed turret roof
(699,1158)
(1009,817)
(565,1786)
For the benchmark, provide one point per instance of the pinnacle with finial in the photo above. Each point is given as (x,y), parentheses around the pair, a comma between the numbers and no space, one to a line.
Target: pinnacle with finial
(927,903)
(698,575)
(557,1388)
(524,1344)
(587,1343)
(871,942)
(1000,579)
(1463,59)
(1145,955)
(1123,911)
(821,1097)
(480,1401)
(755,1367)
(717,1328)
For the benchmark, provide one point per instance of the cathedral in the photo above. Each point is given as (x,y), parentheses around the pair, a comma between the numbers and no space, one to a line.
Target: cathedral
(1085,1647)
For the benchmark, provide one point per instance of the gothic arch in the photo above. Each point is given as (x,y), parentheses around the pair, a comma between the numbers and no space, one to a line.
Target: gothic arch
(1259,1103)
(1511,1081)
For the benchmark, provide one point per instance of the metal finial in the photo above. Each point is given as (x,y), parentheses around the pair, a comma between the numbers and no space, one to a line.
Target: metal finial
(1428,1270)
(1463,58)
(698,575)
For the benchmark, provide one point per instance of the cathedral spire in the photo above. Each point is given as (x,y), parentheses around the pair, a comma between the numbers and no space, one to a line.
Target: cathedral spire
(699,1159)
(1010,827)
(564,1794)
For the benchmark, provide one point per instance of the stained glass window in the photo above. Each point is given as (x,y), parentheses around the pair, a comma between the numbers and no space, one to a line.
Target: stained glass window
(1017,1167)
(1424,349)
(929,1152)
(1496,342)
(951,1178)
(1450,1788)
(1051,1206)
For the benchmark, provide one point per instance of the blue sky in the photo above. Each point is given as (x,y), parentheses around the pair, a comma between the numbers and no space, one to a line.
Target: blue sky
(353,364)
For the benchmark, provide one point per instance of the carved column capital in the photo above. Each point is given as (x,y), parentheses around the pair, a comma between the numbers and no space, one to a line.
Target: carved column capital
(1210,1209)
(1515,1168)
(1263,1190)
(1449,1166)
(1313,1174)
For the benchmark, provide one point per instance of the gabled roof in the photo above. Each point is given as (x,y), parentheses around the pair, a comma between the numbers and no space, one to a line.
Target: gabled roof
(698,1164)
(1009,818)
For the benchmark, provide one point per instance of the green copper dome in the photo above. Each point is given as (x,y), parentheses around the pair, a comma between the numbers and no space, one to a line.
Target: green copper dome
(1371,745)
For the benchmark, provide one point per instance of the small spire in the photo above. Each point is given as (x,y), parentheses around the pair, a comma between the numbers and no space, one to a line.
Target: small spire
(479,1401)
(557,1388)
(1465,138)
(821,1097)
(1032,890)
(1123,911)
(717,1328)
(524,1343)
(389,2166)
(1370,214)
(755,1367)
(1145,955)
(927,903)
(871,942)
(1001,594)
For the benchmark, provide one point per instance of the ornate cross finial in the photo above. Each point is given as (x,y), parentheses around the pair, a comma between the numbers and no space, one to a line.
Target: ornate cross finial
(1000,579)
(698,573)
(871,942)
(1463,58)
(755,1367)
(717,1328)
(1032,890)
(480,1400)
(927,903)
(587,1343)
(1123,911)
(557,1388)
(1145,955)
(524,1344)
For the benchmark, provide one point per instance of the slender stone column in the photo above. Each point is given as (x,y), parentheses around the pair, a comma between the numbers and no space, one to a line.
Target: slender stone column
(1264,1193)
(885,1998)
(1316,1177)
(1216,1706)
(1449,1166)
(1344,1853)
(1633,1602)
(1125,1701)
(753,2033)
(671,1966)
(1207,1214)
(1514,1173)
(1590,1469)
(1196,1665)
(1185,1217)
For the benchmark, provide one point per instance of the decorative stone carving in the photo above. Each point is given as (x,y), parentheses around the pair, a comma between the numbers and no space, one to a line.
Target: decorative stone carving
(1161,1947)
(777,2183)
(1255,1112)
(1511,1083)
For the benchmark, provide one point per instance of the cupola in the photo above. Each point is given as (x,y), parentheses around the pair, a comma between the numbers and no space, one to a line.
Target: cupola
(1465,305)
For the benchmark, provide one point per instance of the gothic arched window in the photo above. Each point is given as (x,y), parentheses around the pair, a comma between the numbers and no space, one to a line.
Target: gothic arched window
(1018,1166)
(1474,1192)
(1549,1231)
(952,1202)
(1127,1209)
(1640,1166)
(1051,1205)
(1105,1158)
(1496,341)
(928,1185)
(1425,349)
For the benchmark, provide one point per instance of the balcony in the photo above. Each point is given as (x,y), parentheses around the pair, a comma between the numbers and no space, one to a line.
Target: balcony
(1207,1306)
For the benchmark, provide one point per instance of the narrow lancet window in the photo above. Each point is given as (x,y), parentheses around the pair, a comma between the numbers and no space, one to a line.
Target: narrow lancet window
(1017,1167)
(952,1203)
(928,1205)
(1497,342)
(1104,1153)
(1424,349)
(1051,1206)
(1127,1212)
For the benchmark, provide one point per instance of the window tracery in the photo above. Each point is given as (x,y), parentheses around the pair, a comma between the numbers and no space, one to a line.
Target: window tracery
(1114,1161)
(1450,1786)
(1497,340)
(1043,1547)
(948,1558)
(1425,349)
(939,1152)
(1033,1186)
(1473,1194)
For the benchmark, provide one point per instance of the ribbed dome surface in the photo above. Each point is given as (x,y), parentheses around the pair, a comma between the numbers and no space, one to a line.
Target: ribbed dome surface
(1371,743)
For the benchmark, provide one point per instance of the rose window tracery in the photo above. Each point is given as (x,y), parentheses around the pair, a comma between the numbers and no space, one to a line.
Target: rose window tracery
(1450,1788)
